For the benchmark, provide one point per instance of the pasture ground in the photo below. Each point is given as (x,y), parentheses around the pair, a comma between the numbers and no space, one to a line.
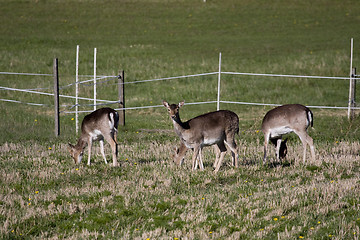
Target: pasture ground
(44,195)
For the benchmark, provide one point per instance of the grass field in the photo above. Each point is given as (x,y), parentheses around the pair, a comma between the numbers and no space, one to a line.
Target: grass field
(44,195)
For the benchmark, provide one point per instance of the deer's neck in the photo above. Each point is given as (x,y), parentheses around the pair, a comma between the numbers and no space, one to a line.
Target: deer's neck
(179,126)
(81,144)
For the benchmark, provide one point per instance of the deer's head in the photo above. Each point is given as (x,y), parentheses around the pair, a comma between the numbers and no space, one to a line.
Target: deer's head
(75,153)
(178,156)
(173,109)
(283,148)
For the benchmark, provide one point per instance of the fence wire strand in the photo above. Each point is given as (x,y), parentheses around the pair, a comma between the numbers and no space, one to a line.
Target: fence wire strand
(27,103)
(110,78)
(84,82)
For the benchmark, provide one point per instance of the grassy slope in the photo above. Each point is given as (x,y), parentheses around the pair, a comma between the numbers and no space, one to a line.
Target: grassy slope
(150,39)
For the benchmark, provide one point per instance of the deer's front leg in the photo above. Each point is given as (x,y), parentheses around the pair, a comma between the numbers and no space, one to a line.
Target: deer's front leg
(200,160)
(89,151)
(194,158)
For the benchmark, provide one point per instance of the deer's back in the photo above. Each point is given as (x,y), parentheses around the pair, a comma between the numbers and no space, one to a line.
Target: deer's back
(290,115)
(223,120)
(100,120)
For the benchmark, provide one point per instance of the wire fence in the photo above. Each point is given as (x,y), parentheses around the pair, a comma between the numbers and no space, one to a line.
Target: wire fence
(94,80)
(109,79)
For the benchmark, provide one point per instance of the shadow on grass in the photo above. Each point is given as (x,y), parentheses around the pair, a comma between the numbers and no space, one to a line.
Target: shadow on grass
(269,164)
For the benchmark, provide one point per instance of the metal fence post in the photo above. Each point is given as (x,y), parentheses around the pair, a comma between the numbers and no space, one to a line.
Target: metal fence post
(351,70)
(219,79)
(56,97)
(95,79)
(353,94)
(121,87)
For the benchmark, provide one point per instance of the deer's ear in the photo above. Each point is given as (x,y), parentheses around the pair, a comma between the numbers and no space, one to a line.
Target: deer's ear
(166,104)
(70,147)
(181,104)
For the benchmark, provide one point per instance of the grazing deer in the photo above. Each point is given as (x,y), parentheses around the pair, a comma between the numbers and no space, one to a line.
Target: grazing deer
(286,119)
(97,126)
(208,129)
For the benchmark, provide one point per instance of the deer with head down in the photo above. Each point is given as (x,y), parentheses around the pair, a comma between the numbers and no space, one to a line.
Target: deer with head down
(97,126)
(215,128)
(286,119)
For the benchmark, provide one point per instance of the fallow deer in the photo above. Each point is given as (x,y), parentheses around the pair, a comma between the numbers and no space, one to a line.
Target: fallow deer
(286,119)
(97,126)
(219,127)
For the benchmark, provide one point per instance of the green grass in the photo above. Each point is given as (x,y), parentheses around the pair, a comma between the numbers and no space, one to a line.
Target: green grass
(44,195)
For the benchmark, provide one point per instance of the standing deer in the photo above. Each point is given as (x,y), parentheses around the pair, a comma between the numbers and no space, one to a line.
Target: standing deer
(208,129)
(286,119)
(97,126)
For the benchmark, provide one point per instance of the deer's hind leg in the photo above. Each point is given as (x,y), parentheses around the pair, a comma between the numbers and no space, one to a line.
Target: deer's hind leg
(217,155)
(114,147)
(230,142)
(306,140)
(222,149)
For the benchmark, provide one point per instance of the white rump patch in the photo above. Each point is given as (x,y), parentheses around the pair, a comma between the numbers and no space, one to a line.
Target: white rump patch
(309,119)
(111,121)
